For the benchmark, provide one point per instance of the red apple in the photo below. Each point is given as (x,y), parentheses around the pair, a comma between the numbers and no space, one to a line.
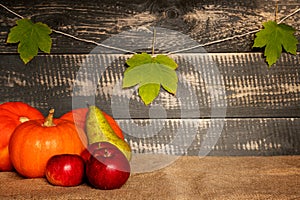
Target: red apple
(65,170)
(86,154)
(108,168)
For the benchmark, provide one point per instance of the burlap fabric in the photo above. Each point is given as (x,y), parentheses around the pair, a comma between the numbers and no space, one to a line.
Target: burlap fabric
(188,177)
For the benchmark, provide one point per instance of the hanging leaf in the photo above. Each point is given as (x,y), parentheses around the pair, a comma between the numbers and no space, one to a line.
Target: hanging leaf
(273,37)
(31,37)
(149,92)
(150,73)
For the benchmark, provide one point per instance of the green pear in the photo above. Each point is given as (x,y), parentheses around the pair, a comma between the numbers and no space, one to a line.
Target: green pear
(99,130)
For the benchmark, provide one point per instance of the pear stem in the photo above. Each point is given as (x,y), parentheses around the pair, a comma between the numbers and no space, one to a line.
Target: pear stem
(49,119)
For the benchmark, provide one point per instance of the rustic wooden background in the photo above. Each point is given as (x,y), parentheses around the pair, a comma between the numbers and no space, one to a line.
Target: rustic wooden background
(261,105)
(202,20)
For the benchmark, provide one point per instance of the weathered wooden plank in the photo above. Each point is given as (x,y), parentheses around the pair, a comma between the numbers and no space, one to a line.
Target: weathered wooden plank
(210,85)
(215,137)
(203,21)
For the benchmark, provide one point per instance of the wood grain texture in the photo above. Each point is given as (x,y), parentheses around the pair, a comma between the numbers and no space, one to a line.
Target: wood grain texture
(228,101)
(214,137)
(232,101)
(203,21)
(239,84)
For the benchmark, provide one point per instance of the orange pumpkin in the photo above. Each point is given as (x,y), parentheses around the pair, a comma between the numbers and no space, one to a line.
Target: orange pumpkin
(34,142)
(78,116)
(13,114)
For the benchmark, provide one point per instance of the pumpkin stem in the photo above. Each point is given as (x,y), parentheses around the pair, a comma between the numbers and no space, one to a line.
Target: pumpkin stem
(49,119)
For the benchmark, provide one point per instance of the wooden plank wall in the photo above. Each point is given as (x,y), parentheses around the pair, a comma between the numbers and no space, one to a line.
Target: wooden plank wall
(202,20)
(245,109)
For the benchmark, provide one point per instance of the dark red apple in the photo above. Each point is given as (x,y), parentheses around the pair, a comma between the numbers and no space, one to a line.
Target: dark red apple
(86,154)
(65,170)
(108,168)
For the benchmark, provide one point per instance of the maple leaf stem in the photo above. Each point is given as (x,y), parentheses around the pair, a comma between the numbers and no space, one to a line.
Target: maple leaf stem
(276,11)
(153,41)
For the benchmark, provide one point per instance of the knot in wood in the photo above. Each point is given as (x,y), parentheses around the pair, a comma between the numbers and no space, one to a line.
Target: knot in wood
(172,13)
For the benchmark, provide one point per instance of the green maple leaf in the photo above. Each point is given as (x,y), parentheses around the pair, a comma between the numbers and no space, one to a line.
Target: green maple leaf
(149,92)
(273,37)
(31,37)
(150,73)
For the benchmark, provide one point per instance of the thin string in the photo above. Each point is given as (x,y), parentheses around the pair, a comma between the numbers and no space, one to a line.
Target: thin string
(213,42)
(293,13)
(230,38)
(93,42)
(172,52)
(74,37)
(9,10)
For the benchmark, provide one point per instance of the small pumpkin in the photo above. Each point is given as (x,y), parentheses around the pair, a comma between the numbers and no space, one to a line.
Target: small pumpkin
(34,142)
(78,116)
(13,114)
